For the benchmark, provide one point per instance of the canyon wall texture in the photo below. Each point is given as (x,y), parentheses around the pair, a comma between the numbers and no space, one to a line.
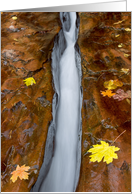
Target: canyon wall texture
(27,40)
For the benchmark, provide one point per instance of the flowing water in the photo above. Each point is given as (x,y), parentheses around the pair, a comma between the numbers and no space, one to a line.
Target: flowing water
(60,169)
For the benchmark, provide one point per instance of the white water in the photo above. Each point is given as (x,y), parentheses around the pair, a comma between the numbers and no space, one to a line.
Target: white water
(61,175)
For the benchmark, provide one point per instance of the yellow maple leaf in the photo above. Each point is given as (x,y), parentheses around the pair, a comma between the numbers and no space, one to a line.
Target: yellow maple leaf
(118,83)
(110,85)
(120,45)
(29,81)
(126,55)
(103,150)
(125,70)
(128,29)
(14,18)
(107,93)
(113,84)
(20,172)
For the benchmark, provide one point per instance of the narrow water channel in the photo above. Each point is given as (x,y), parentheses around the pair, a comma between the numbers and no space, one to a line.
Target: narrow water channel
(62,159)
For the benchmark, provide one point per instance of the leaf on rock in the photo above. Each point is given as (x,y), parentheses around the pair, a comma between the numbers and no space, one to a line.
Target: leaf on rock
(129,102)
(16,39)
(118,83)
(128,29)
(120,45)
(126,55)
(110,85)
(125,71)
(14,18)
(118,22)
(113,84)
(121,95)
(20,172)
(107,93)
(29,81)
(103,150)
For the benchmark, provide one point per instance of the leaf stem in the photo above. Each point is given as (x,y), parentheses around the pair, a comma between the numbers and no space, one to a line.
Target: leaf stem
(118,137)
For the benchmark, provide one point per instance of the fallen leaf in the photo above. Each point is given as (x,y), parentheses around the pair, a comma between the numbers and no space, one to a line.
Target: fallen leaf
(123,70)
(20,172)
(110,85)
(29,81)
(126,55)
(121,95)
(14,18)
(129,102)
(120,45)
(128,29)
(107,93)
(117,35)
(118,22)
(16,39)
(118,83)
(113,84)
(103,150)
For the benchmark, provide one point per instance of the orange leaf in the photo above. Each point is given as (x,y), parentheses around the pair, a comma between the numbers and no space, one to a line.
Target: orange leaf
(20,172)
(107,93)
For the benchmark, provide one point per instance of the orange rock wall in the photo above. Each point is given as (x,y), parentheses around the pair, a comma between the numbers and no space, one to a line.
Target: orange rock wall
(105,118)
(26,47)
(26,111)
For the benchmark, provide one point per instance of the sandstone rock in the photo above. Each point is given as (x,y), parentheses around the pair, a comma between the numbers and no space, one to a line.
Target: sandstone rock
(104,118)
(26,111)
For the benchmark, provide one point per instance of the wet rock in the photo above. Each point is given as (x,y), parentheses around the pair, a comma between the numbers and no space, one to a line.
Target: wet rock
(26,110)
(125,166)
(104,118)
(26,47)
(43,102)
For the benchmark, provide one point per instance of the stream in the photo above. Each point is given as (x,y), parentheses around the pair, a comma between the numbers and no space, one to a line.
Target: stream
(61,166)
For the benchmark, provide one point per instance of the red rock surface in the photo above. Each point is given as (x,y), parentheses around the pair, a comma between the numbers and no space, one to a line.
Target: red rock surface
(105,118)
(26,111)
